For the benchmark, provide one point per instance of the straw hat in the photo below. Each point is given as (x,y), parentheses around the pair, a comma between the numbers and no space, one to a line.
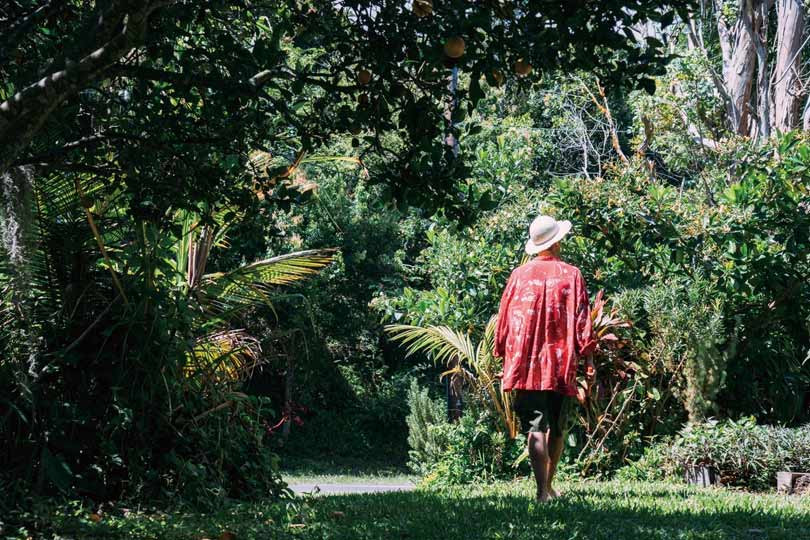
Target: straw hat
(544,232)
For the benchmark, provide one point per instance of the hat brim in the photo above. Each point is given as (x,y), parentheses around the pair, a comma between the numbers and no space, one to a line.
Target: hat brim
(533,249)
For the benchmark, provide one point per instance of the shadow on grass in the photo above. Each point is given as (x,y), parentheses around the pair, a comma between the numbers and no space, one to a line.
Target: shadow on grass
(585,513)
(593,511)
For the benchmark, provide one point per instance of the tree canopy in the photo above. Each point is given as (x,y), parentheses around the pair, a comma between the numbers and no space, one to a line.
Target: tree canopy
(141,91)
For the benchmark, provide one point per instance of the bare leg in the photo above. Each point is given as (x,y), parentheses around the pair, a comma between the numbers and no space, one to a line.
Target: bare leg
(538,454)
(555,448)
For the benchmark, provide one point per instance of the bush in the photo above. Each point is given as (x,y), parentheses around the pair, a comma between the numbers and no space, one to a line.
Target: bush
(427,429)
(475,452)
(686,322)
(366,430)
(742,453)
(471,450)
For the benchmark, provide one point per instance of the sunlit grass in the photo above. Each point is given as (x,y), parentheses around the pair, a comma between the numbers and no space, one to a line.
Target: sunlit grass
(588,510)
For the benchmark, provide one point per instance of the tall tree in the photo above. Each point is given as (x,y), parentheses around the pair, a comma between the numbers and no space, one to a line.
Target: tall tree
(762,82)
(145,90)
(787,88)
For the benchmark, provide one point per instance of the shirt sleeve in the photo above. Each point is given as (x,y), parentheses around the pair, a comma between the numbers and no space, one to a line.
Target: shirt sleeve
(584,338)
(502,326)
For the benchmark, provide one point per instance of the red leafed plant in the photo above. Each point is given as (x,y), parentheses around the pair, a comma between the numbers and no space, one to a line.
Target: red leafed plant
(607,362)
(613,365)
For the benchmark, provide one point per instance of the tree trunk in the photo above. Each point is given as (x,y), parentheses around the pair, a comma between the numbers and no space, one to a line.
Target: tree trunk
(739,54)
(17,236)
(454,387)
(787,91)
(806,116)
(759,35)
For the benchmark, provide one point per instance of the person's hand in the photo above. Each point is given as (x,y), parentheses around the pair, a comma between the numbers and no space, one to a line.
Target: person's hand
(499,375)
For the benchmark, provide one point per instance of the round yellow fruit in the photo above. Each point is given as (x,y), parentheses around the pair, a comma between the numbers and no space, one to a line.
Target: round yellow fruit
(522,67)
(422,8)
(364,76)
(454,47)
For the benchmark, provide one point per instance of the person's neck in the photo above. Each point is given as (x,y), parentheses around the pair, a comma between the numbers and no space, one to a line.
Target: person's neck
(548,254)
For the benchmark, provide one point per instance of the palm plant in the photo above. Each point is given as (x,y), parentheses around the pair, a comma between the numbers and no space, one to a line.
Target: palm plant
(475,364)
(135,333)
(221,353)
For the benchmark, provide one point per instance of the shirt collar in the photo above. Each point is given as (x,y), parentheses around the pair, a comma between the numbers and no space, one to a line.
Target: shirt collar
(547,257)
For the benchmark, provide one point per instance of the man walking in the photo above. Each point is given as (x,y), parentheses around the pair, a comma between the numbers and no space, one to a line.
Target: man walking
(544,327)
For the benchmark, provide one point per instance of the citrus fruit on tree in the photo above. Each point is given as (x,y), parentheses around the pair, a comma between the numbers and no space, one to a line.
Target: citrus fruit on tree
(454,47)
(363,76)
(522,67)
(422,8)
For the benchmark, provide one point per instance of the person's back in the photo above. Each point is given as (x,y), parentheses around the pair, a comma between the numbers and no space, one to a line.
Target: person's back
(544,327)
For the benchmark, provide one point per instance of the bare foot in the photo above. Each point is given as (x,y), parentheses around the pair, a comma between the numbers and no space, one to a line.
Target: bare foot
(542,496)
(553,493)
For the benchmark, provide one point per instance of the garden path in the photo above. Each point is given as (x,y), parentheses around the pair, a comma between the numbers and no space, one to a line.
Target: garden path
(348,488)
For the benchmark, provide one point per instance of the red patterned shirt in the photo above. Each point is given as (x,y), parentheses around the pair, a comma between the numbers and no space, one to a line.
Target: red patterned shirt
(544,326)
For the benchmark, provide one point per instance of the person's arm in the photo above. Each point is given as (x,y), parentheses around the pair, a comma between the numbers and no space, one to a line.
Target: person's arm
(584,338)
(502,326)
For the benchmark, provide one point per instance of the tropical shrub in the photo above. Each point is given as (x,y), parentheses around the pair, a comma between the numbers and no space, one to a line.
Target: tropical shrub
(483,444)
(476,451)
(476,366)
(742,453)
(686,330)
(140,358)
(427,429)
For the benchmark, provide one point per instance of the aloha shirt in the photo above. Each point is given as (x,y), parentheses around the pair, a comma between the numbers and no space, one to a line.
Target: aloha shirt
(544,326)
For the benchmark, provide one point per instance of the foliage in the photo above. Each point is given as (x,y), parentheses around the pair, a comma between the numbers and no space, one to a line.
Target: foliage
(136,387)
(742,240)
(476,366)
(144,90)
(427,429)
(610,399)
(597,510)
(367,428)
(708,272)
(686,325)
(742,453)
(475,450)
(456,278)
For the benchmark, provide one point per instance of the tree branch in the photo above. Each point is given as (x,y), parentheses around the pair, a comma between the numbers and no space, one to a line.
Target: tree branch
(11,36)
(605,109)
(23,114)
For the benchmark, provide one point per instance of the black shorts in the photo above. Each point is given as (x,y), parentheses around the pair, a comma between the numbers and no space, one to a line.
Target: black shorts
(542,410)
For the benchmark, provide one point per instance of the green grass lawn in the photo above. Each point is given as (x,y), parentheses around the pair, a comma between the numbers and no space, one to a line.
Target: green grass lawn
(589,510)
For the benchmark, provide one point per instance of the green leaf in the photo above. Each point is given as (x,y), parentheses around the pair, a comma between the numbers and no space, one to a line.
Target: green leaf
(648,85)
(476,92)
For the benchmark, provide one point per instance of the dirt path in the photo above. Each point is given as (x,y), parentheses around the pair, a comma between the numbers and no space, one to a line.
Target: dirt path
(322,488)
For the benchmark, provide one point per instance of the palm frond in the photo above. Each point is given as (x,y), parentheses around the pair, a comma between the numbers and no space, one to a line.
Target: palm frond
(250,284)
(440,342)
(229,355)
(487,345)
